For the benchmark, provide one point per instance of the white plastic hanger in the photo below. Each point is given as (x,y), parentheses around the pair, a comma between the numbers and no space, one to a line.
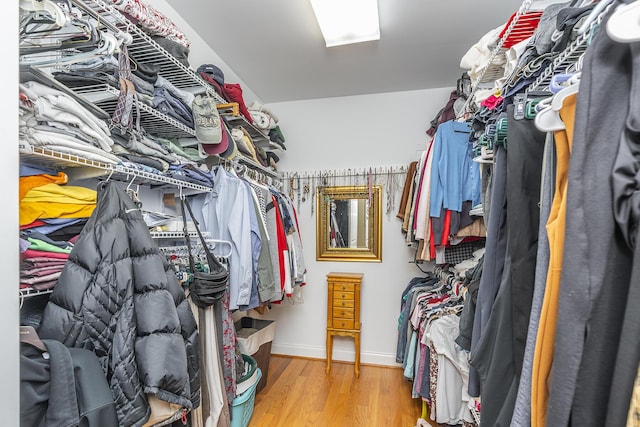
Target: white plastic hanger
(602,4)
(109,45)
(624,24)
(48,6)
(548,119)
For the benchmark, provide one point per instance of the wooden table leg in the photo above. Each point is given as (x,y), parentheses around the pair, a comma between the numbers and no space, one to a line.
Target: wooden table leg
(357,345)
(329,351)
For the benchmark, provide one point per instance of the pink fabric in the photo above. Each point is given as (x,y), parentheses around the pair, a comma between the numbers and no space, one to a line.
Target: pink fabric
(45,285)
(42,271)
(30,253)
(152,21)
(36,223)
(492,102)
(42,262)
(34,280)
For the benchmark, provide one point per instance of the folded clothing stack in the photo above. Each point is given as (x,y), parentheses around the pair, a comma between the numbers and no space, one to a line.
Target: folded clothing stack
(51,119)
(267,121)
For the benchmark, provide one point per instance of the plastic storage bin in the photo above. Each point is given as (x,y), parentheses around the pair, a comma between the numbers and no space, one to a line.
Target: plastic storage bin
(242,405)
(254,338)
(250,377)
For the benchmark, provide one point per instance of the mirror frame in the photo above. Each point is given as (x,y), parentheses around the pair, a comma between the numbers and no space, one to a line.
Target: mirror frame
(324,252)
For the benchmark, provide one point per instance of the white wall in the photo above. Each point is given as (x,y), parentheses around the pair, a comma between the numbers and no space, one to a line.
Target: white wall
(352,132)
(9,361)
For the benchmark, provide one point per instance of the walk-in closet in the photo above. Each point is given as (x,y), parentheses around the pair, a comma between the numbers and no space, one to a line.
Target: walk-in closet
(232,215)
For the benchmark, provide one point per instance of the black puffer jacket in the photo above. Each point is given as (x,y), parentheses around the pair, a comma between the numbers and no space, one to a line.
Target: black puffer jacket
(118,297)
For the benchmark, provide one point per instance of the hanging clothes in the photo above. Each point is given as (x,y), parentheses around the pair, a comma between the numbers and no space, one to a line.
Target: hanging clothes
(116,260)
(597,266)
(225,214)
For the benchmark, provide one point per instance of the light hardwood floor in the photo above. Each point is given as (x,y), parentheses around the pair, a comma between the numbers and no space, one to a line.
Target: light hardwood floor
(299,394)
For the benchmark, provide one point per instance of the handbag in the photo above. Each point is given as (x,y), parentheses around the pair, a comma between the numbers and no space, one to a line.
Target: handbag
(206,288)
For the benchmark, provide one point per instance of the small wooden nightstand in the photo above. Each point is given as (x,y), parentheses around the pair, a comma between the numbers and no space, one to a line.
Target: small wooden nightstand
(343,312)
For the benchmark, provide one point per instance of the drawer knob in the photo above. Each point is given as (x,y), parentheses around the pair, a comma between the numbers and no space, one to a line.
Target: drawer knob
(343,303)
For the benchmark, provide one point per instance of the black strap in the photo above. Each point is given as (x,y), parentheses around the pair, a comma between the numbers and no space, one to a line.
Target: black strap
(210,258)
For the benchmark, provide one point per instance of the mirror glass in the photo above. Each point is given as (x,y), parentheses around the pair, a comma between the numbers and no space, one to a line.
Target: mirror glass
(348,224)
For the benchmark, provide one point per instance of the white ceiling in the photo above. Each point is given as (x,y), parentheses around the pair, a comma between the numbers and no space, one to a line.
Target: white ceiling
(276,48)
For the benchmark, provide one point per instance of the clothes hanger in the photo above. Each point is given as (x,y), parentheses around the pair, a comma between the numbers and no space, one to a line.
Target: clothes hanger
(624,23)
(593,15)
(108,47)
(76,34)
(58,17)
(548,118)
(133,194)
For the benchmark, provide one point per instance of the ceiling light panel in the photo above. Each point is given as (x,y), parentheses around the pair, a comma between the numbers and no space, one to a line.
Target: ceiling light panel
(347,21)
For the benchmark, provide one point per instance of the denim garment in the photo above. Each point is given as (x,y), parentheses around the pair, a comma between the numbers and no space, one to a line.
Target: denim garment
(166,103)
(186,97)
(192,174)
(28,170)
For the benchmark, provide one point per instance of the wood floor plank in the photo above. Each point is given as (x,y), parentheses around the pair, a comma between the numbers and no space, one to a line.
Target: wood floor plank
(299,394)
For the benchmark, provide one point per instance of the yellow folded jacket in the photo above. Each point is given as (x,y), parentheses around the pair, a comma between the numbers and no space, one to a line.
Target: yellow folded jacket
(57,201)
(29,182)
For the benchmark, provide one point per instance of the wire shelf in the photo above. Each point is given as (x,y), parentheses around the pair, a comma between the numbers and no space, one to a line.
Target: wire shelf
(54,159)
(177,234)
(261,169)
(106,97)
(30,292)
(258,137)
(145,49)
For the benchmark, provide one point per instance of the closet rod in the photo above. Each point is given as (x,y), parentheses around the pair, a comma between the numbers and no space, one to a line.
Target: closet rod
(60,159)
(346,173)
(89,11)
(253,165)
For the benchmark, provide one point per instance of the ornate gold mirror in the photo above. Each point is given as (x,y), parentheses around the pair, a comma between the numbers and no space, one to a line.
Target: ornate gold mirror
(349,226)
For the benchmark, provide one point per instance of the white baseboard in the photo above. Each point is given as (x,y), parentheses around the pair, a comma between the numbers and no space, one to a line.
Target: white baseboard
(341,355)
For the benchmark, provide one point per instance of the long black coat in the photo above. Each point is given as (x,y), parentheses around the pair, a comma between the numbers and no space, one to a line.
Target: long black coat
(118,297)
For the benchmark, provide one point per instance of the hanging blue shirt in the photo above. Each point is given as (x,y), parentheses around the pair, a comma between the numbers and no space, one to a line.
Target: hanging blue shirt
(455,177)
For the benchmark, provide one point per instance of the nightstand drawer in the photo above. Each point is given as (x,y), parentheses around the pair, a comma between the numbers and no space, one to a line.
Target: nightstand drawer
(343,295)
(343,324)
(343,313)
(339,287)
(343,303)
